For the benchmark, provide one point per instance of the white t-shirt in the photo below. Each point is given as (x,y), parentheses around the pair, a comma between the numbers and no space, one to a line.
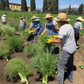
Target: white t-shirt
(66,33)
(3,18)
(53,22)
(78,25)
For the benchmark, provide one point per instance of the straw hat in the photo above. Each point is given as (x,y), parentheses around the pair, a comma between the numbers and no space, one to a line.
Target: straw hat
(80,18)
(62,17)
(4,15)
(36,20)
(34,17)
(48,16)
(21,17)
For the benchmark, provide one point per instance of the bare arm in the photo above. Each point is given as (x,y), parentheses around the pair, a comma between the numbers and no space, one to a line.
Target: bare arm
(56,27)
(44,30)
(57,41)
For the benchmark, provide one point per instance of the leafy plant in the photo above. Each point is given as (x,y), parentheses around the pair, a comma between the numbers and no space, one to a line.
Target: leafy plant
(81,66)
(1,31)
(4,51)
(20,29)
(14,43)
(42,40)
(81,32)
(26,32)
(32,49)
(16,67)
(45,64)
(9,31)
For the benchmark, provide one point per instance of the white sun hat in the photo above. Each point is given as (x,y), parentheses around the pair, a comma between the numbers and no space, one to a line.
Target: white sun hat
(34,17)
(80,18)
(4,15)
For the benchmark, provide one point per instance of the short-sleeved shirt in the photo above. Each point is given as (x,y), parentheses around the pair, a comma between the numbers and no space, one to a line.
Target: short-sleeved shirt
(50,27)
(77,26)
(66,33)
(21,23)
(3,18)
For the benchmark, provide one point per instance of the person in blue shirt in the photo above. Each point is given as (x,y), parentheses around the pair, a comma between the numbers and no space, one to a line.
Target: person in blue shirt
(38,29)
(22,23)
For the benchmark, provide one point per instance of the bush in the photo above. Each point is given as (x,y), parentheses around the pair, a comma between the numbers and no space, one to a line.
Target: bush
(16,67)
(4,51)
(45,64)
(15,43)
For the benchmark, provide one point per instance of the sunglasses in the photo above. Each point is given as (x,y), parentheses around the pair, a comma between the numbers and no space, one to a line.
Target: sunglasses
(47,18)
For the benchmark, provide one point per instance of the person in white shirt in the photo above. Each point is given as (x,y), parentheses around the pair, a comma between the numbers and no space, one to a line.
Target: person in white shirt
(3,18)
(77,27)
(68,45)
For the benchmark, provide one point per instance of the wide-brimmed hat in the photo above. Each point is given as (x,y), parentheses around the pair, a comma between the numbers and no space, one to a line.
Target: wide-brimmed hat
(80,18)
(36,20)
(4,15)
(48,16)
(34,17)
(62,17)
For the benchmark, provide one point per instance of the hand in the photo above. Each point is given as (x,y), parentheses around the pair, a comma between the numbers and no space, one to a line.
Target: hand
(55,36)
(49,41)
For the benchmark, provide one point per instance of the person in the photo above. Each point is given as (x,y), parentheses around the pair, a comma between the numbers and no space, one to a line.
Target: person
(3,18)
(68,47)
(37,28)
(22,24)
(51,26)
(77,27)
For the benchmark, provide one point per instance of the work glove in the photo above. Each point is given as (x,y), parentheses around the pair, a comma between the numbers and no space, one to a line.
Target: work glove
(42,33)
(33,30)
(55,36)
(49,41)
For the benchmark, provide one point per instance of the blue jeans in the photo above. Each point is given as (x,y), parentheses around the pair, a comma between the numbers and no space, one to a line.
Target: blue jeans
(65,59)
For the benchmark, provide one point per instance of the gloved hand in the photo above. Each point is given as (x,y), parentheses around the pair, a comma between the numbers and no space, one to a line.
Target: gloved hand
(33,30)
(42,33)
(49,41)
(55,36)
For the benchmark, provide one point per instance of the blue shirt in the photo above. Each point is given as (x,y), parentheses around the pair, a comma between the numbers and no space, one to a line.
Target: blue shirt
(21,23)
(35,25)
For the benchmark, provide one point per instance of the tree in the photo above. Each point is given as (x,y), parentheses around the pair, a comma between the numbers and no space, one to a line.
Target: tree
(52,6)
(45,6)
(2,5)
(69,9)
(33,6)
(80,9)
(23,5)
(6,4)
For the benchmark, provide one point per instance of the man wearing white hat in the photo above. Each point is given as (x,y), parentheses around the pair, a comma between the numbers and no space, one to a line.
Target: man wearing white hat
(68,45)
(77,27)
(37,27)
(3,18)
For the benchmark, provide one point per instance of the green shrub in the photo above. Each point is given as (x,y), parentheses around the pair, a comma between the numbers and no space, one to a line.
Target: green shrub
(45,64)
(20,29)
(81,32)
(9,30)
(32,49)
(14,43)
(42,40)
(16,67)
(4,51)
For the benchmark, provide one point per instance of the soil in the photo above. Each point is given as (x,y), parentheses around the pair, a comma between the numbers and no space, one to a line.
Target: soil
(37,79)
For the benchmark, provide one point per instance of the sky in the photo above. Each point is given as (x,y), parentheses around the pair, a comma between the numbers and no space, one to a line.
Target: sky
(62,3)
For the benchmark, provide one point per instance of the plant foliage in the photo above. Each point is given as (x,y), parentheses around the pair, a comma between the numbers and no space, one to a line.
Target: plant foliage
(16,67)
(4,51)
(45,64)
(14,43)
